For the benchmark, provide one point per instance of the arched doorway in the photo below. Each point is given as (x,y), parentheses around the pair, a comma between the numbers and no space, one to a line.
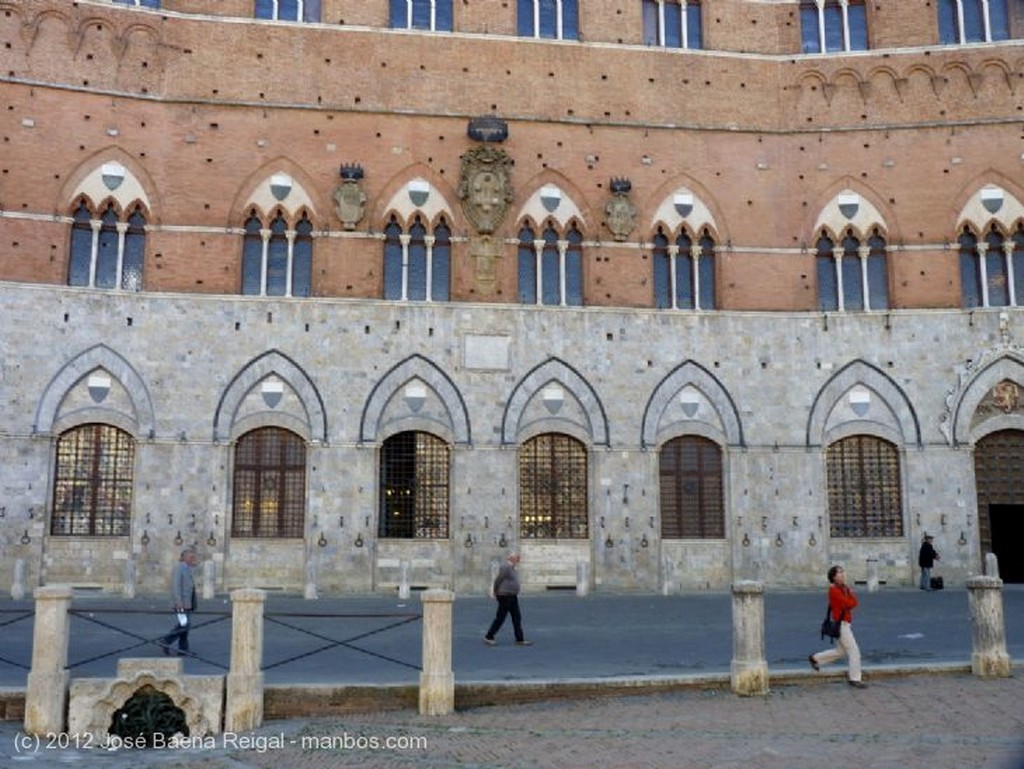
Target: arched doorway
(999,476)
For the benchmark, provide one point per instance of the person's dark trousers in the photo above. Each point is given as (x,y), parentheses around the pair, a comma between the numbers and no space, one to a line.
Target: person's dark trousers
(179,634)
(507,605)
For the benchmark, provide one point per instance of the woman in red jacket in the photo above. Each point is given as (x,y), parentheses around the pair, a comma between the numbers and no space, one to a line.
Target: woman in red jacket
(841,601)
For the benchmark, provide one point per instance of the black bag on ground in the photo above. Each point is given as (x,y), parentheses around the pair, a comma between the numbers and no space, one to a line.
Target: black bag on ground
(937,583)
(829,626)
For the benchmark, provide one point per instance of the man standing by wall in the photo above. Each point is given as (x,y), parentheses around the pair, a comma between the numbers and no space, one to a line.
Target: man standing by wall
(926,558)
(183,590)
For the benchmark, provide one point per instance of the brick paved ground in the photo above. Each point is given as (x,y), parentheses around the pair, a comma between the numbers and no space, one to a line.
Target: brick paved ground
(918,722)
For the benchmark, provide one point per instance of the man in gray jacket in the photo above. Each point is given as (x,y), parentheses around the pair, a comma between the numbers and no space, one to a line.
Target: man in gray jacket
(506,590)
(183,588)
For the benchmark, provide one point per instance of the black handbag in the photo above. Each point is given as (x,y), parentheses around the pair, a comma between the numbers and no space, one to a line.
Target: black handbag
(829,626)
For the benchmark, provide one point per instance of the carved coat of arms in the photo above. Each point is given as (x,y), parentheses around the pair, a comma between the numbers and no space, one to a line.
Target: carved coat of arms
(485,187)
(620,212)
(349,198)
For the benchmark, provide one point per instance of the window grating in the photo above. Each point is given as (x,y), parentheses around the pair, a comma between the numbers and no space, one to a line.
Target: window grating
(92,493)
(864,498)
(553,488)
(269,484)
(692,506)
(414,489)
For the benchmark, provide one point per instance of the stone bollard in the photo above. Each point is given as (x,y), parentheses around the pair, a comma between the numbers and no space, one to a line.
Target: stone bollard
(311,593)
(129,578)
(991,565)
(749,668)
(18,585)
(243,706)
(403,580)
(988,631)
(46,695)
(437,681)
(872,575)
(209,579)
(582,577)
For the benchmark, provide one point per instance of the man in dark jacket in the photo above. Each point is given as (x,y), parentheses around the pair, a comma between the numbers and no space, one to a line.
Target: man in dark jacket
(506,591)
(926,558)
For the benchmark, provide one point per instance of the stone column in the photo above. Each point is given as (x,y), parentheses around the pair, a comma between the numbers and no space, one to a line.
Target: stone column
(243,706)
(872,575)
(582,577)
(130,575)
(437,681)
(209,579)
(46,695)
(403,580)
(18,585)
(749,668)
(988,631)
(991,565)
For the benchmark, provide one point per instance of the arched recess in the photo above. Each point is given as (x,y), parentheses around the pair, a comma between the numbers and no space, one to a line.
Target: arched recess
(277,184)
(976,387)
(415,367)
(130,184)
(691,375)
(279,364)
(862,373)
(98,357)
(417,189)
(554,370)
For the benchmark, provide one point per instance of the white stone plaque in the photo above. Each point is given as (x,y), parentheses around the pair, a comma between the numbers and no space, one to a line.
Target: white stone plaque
(487,352)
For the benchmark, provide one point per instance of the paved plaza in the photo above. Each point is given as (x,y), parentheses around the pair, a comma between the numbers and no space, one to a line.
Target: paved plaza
(920,710)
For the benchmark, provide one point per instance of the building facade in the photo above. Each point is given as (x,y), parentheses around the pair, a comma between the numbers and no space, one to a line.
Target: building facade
(661,294)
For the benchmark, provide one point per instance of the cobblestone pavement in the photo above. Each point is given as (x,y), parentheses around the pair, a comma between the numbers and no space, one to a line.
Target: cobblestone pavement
(927,721)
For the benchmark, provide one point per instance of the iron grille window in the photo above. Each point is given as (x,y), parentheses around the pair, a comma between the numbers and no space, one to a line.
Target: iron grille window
(864,498)
(92,494)
(553,488)
(692,506)
(269,485)
(414,487)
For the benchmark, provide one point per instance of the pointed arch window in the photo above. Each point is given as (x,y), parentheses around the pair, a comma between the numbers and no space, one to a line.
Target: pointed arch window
(414,487)
(854,276)
(832,26)
(93,480)
(691,501)
(552,19)
(990,268)
(864,488)
(276,260)
(553,488)
(107,252)
(974,21)
(431,15)
(417,263)
(269,488)
(288,10)
(672,23)
(684,271)
(550,268)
